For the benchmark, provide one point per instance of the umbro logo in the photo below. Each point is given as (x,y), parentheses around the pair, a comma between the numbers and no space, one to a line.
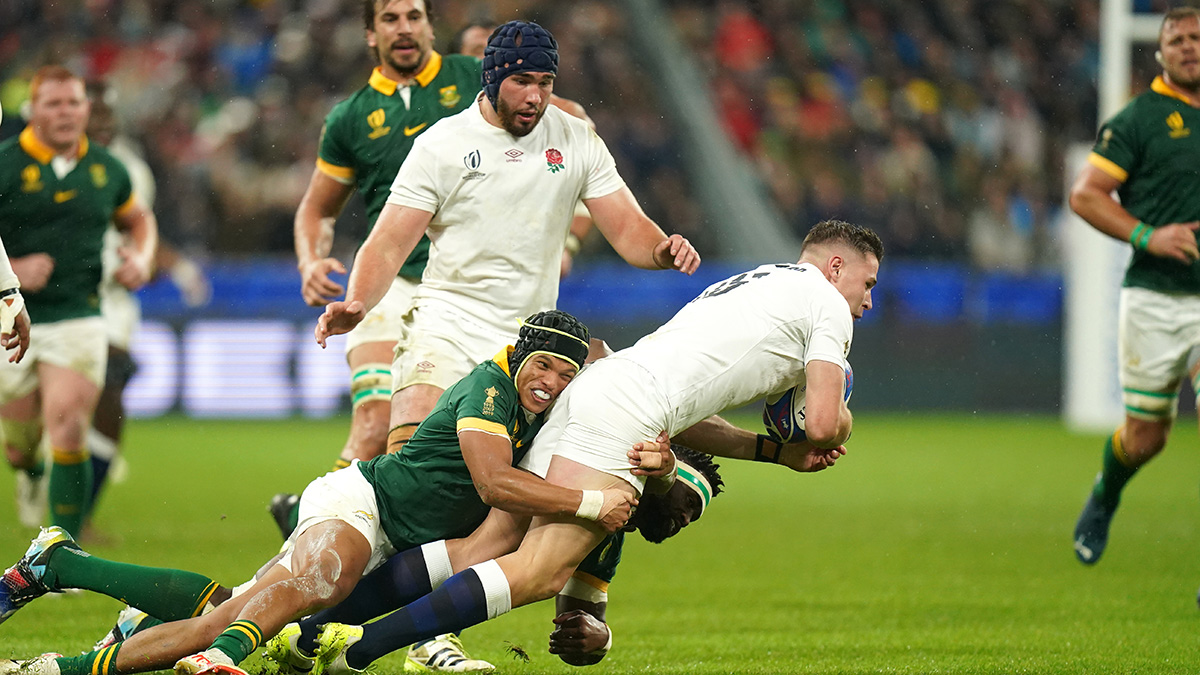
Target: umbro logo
(514,155)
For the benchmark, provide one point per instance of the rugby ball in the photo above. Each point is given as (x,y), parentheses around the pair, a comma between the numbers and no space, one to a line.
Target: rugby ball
(783,416)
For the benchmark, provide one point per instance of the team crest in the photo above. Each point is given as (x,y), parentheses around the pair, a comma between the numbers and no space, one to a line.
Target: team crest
(449,96)
(376,121)
(489,404)
(99,175)
(1175,124)
(31,179)
(554,160)
(1105,137)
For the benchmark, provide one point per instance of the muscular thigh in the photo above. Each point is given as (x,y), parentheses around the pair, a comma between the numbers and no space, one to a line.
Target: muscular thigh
(1157,333)
(441,347)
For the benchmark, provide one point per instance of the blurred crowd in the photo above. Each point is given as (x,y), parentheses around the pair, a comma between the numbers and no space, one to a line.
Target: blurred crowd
(941,123)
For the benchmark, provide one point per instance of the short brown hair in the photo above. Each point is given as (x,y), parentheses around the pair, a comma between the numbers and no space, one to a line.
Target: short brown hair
(368,10)
(1177,14)
(52,73)
(862,239)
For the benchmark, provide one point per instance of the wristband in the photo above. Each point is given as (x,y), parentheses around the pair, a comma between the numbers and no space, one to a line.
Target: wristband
(762,456)
(11,305)
(590,505)
(10,291)
(1140,236)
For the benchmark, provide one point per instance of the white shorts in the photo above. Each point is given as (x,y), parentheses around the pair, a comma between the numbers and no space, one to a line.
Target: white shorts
(611,405)
(385,321)
(76,344)
(1157,335)
(343,495)
(121,311)
(441,346)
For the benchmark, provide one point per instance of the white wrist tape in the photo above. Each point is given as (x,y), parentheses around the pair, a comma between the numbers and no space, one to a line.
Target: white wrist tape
(590,505)
(607,645)
(10,308)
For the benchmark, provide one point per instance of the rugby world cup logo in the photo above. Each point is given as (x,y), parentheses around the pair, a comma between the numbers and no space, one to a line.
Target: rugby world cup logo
(472,160)
(554,160)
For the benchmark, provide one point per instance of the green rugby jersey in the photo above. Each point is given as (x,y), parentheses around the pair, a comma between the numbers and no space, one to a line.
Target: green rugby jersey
(1153,146)
(367,136)
(600,566)
(425,492)
(63,217)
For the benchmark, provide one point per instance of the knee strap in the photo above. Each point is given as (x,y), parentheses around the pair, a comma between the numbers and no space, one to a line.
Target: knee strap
(371,382)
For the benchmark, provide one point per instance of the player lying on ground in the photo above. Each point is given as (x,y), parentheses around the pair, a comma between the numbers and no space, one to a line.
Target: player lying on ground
(755,334)
(441,488)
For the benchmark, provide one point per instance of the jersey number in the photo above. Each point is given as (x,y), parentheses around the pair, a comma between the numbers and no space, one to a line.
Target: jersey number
(743,279)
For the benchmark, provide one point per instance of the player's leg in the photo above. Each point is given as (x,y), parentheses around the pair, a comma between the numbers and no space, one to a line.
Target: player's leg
(409,407)
(68,400)
(538,570)
(108,422)
(21,429)
(1153,361)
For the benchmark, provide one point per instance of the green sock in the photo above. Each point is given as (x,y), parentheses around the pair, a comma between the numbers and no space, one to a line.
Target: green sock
(164,593)
(1115,474)
(239,640)
(101,662)
(70,490)
(294,516)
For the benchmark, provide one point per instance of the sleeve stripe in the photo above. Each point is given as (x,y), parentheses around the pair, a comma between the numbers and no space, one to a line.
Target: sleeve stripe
(341,174)
(125,208)
(486,426)
(595,582)
(1108,166)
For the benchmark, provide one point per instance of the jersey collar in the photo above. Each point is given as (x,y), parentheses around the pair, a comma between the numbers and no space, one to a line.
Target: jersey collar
(387,86)
(1160,86)
(43,153)
(501,359)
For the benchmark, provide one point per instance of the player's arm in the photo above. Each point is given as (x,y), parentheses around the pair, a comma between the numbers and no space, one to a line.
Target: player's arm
(581,636)
(827,421)
(323,201)
(14,318)
(393,238)
(500,485)
(638,239)
(717,437)
(137,258)
(1092,198)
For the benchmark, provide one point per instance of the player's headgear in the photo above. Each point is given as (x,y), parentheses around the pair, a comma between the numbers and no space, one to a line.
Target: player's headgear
(553,332)
(516,47)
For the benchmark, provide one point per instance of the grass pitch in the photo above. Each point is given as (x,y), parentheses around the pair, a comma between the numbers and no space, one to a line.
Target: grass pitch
(938,545)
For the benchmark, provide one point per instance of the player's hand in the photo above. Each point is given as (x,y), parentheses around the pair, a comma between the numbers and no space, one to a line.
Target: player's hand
(316,286)
(616,510)
(578,637)
(677,252)
(16,340)
(807,458)
(339,317)
(135,270)
(191,281)
(652,458)
(33,270)
(1176,241)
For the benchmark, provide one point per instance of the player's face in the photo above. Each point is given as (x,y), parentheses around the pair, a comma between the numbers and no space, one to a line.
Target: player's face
(522,101)
(474,41)
(662,516)
(855,279)
(403,37)
(102,124)
(59,112)
(541,380)
(1180,47)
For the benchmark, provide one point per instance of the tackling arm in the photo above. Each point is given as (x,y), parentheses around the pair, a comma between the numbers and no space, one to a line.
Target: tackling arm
(319,208)
(638,239)
(502,486)
(715,436)
(581,636)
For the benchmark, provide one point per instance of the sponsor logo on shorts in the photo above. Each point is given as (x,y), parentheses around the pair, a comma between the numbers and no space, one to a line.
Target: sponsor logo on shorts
(359,513)
(425,367)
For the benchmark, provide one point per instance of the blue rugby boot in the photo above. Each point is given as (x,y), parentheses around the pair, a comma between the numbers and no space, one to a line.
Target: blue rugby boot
(22,582)
(1091,532)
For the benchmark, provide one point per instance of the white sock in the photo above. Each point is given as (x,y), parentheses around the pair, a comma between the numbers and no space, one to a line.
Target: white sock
(495,587)
(437,563)
(100,445)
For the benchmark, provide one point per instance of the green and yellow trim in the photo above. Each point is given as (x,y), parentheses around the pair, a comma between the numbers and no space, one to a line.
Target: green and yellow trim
(248,629)
(65,457)
(342,174)
(501,359)
(387,86)
(477,424)
(105,659)
(1160,86)
(42,153)
(205,596)
(1108,166)
(593,581)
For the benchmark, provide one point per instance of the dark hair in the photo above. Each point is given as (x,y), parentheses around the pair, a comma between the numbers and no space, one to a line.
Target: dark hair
(862,239)
(456,40)
(369,7)
(702,463)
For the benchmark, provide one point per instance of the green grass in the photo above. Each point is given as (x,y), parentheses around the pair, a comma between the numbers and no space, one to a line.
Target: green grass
(938,545)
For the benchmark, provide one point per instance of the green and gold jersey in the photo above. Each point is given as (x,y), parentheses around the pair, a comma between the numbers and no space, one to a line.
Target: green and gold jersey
(1152,147)
(367,136)
(425,492)
(600,566)
(63,217)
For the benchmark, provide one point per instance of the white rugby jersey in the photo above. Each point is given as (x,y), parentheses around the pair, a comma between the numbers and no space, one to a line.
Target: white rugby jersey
(502,208)
(744,338)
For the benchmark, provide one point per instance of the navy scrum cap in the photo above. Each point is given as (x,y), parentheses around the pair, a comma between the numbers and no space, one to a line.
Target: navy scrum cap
(515,47)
